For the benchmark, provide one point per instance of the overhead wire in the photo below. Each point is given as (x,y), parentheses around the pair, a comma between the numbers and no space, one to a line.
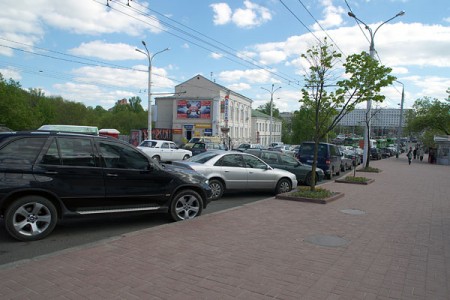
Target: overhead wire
(235,58)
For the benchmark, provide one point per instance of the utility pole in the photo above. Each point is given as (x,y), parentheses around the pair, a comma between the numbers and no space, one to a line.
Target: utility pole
(272,91)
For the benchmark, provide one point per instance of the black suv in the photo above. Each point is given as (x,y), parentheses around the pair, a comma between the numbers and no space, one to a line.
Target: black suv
(47,176)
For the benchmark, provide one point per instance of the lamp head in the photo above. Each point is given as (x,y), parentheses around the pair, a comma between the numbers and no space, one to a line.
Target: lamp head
(350,14)
(400,13)
(143,43)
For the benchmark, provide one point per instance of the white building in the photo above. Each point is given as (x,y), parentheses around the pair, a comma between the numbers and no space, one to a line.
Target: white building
(261,132)
(383,120)
(202,107)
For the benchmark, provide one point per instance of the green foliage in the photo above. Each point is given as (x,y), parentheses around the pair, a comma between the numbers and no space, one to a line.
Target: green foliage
(327,99)
(28,110)
(265,109)
(429,116)
(302,126)
(318,193)
(356,179)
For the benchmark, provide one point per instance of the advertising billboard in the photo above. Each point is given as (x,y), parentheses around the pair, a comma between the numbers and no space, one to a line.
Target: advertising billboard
(199,109)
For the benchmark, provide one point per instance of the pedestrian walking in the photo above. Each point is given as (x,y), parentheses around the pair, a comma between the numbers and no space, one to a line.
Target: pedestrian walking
(410,155)
(421,153)
(415,152)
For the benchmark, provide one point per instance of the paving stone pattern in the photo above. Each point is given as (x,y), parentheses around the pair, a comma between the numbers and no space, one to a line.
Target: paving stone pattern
(398,249)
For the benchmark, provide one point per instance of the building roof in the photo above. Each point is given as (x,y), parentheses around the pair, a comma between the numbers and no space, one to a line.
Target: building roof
(258,114)
(219,86)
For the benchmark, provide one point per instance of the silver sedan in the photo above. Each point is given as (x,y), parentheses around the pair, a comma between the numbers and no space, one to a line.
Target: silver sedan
(233,170)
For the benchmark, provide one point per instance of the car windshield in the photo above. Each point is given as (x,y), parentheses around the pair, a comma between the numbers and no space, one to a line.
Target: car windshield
(203,157)
(194,140)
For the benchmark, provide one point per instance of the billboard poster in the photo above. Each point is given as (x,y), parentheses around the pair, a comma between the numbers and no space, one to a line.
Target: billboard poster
(189,109)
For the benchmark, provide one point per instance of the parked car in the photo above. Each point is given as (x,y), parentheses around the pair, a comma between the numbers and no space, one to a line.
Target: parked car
(328,159)
(48,176)
(235,170)
(286,149)
(354,155)
(302,172)
(386,153)
(245,146)
(164,151)
(346,162)
(201,147)
(210,139)
(375,153)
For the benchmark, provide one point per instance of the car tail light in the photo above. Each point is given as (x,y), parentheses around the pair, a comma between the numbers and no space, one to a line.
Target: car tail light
(328,162)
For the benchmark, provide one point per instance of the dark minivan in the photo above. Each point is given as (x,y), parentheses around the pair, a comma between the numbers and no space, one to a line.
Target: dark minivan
(47,176)
(328,157)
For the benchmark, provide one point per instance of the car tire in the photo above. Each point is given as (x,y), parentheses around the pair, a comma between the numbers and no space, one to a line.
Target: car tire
(217,189)
(186,157)
(329,176)
(157,158)
(283,186)
(338,172)
(186,204)
(30,218)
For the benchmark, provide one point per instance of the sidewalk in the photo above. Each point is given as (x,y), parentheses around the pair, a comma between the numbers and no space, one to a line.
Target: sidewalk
(395,234)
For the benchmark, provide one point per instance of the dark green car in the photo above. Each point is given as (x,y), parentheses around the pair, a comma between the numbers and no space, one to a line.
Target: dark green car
(289,163)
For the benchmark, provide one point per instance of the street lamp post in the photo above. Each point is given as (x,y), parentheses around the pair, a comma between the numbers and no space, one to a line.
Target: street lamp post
(272,91)
(149,88)
(400,124)
(369,102)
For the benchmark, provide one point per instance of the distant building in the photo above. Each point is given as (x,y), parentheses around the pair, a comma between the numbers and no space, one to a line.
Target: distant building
(261,129)
(202,107)
(384,121)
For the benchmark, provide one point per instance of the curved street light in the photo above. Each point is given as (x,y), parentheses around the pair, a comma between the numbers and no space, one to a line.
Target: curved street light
(369,102)
(272,91)
(149,89)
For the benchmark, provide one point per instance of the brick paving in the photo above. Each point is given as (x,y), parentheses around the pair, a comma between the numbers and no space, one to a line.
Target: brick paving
(398,249)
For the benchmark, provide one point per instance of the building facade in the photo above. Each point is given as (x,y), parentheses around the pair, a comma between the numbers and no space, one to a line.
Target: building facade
(384,121)
(202,107)
(261,133)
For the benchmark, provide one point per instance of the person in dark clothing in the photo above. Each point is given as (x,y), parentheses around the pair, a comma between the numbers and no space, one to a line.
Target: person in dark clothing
(415,152)
(409,155)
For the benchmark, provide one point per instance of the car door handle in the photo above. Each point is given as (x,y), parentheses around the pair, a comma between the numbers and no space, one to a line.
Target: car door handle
(111,175)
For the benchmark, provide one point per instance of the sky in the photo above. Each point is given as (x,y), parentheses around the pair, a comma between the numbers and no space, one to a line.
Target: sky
(85,50)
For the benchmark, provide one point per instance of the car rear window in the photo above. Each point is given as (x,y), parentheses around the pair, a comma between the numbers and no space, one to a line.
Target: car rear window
(203,157)
(308,149)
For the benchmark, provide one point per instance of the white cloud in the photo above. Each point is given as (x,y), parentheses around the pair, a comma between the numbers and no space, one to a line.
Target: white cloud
(332,16)
(107,51)
(216,55)
(252,76)
(10,73)
(252,15)
(123,78)
(272,57)
(25,21)
(239,86)
(222,13)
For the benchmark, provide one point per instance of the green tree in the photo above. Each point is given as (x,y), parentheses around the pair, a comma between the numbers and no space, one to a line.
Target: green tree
(329,100)
(429,117)
(265,108)
(302,126)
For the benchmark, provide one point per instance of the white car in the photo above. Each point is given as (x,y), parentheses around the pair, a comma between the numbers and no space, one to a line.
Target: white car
(164,151)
